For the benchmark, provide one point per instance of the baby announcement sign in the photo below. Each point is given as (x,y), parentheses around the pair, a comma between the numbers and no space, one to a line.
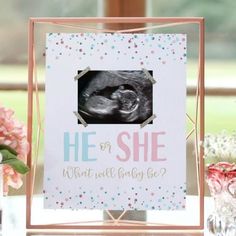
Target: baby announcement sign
(115,133)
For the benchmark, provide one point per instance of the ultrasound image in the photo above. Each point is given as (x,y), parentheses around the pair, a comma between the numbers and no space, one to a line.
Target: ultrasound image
(114,97)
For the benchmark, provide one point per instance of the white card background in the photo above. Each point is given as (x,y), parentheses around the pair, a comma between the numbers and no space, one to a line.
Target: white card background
(165,55)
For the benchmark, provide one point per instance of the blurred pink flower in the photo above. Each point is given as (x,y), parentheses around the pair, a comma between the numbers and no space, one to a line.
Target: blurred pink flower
(10,178)
(12,134)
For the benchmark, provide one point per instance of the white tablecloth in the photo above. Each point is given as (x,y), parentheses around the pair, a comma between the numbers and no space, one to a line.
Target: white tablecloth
(14,215)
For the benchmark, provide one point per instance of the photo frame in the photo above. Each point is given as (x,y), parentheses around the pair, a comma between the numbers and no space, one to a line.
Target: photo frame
(76,220)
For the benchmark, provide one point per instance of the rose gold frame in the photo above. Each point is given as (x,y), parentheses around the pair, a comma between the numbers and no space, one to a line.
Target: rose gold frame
(200,95)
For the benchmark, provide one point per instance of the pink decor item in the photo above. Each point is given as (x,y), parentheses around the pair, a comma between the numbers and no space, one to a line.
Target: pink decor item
(13,149)
(220,157)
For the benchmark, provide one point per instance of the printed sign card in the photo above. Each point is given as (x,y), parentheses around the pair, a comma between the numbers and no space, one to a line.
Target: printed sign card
(115,134)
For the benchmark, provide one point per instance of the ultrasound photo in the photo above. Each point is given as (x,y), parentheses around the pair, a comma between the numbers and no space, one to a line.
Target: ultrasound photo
(115,97)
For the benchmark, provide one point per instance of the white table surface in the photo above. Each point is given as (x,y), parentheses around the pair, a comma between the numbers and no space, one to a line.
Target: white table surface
(14,217)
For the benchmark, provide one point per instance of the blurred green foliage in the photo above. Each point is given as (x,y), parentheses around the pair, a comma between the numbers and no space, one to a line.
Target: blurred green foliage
(220,21)
(14,22)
